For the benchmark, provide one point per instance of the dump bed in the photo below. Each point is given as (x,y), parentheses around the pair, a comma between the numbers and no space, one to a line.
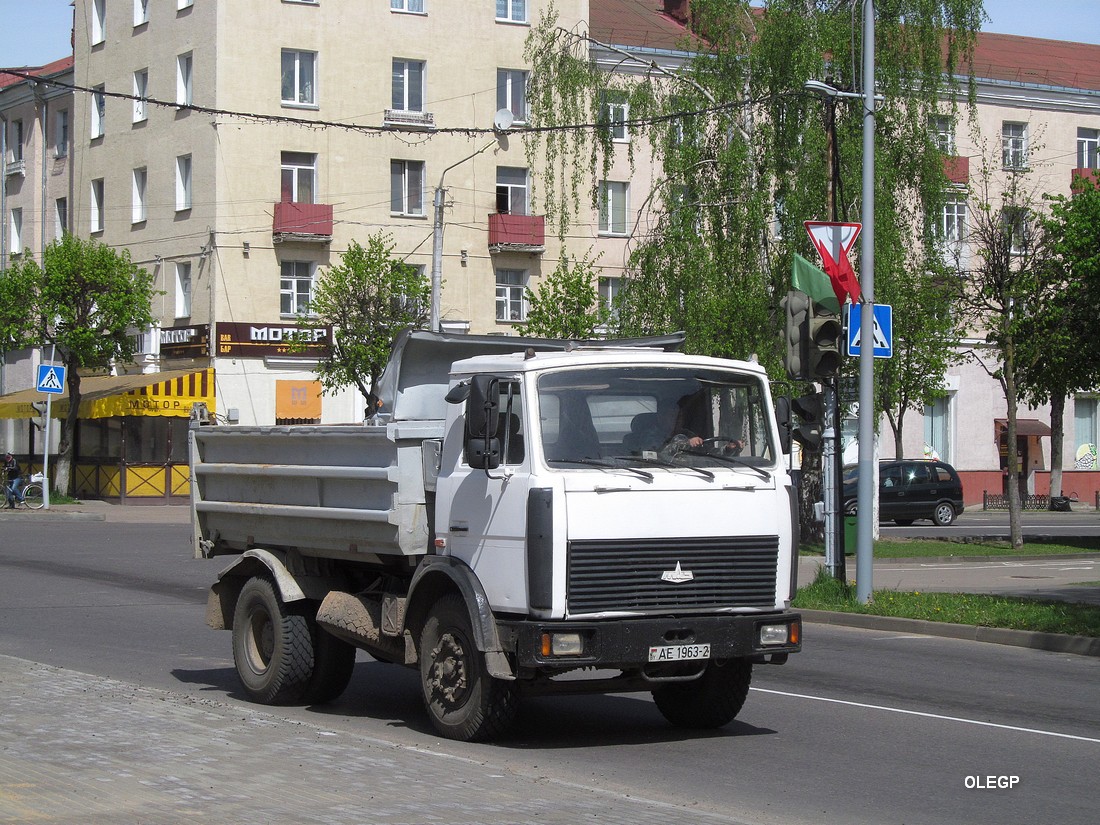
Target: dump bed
(339,491)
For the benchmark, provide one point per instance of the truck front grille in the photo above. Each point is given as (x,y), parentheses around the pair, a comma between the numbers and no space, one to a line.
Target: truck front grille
(705,573)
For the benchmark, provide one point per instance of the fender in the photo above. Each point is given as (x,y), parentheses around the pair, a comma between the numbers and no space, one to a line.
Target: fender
(437,574)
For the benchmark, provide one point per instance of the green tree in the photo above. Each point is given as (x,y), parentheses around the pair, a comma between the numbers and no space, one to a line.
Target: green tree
(87,300)
(567,303)
(1058,352)
(368,298)
(1007,281)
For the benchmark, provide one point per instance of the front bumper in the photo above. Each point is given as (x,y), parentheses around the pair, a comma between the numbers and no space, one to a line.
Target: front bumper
(625,643)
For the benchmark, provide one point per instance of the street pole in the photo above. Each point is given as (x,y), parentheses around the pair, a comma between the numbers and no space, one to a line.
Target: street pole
(46,441)
(434,320)
(866,490)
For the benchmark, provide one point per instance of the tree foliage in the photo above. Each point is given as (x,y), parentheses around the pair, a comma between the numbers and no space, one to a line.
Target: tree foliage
(566,303)
(367,298)
(88,301)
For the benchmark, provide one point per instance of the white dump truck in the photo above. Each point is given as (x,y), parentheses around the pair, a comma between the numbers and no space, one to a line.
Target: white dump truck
(521,517)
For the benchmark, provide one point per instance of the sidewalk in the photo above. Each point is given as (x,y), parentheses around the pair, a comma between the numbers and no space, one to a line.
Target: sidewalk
(95,510)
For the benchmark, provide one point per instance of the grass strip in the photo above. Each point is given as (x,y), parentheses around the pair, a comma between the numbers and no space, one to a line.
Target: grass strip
(964,548)
(826,593)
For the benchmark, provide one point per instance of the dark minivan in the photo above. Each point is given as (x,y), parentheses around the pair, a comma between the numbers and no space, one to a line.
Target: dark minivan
(909,489)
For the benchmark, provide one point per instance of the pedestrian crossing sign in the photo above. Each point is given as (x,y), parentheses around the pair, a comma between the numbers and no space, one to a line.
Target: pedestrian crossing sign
(882,330)
(51,379)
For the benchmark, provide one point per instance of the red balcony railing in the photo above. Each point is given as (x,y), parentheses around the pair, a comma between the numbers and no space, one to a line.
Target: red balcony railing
(303,220)
(1088,174)
(957,169)
(524,233)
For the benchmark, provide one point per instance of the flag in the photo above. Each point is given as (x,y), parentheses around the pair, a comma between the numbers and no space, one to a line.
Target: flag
(805,277)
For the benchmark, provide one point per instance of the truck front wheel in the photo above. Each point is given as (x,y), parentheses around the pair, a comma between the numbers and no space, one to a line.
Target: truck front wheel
(272,647)
(462,699)
(710,701)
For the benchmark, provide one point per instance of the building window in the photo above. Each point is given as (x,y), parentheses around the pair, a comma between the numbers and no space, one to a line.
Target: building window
(184,68)
(299,176)
(99,112)
(16,231)
(937,429)
(1084,433)
(295,287)
(1088,148)
(412,6)
(61,216)
(183,290)
(614,113)
(99,21)
(408,85)
(952,226)
(1016,223)
(141,92)
(511,190)
(140,179)
(141,12)
(1014,145)
(407,187)
(183,183)
(299,79)
(613,197)
(512,93)
(609,292)
(511,305)
(512,11)
(943,133)
(61,134)
(16,133)
(96,222)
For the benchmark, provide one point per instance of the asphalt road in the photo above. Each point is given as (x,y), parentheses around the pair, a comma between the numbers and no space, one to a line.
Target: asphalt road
(862,727)
(1083,522)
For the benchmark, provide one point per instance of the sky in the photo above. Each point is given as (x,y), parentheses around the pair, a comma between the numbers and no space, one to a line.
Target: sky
(36,32)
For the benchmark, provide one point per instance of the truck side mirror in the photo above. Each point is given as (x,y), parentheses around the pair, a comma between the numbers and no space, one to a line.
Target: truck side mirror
(483,423)
(783,419)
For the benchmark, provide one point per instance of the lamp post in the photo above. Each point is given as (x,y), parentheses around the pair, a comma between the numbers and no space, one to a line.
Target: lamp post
(437,240)
(866,490)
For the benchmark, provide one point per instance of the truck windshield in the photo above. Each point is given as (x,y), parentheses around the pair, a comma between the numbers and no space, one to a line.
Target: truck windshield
(649,416)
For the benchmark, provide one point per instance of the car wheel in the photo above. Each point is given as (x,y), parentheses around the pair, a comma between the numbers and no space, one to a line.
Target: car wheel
(850,507)
(944,513)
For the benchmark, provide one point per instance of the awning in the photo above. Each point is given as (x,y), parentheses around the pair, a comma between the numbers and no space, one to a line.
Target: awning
(1024,426)
(168,393)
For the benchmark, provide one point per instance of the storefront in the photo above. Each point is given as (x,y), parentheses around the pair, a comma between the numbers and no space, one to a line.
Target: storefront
(131,440)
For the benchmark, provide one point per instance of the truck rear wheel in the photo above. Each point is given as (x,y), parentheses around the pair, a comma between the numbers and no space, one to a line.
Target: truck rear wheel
(272,647)
(333,663)
(712,700)
(463,701)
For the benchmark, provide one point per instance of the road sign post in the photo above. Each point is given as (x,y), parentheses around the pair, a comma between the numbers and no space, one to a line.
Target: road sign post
(51,380)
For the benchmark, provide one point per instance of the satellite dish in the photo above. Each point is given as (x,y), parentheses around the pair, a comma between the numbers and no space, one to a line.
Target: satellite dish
(503,120)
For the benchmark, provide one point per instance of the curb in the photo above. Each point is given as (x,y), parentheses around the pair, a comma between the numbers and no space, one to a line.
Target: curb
(1053,642)
(50,515)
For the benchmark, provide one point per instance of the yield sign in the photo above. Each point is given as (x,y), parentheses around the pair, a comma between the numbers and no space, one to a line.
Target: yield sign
(833,241)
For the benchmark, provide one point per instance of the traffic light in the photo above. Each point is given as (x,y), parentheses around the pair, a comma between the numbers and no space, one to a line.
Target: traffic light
(796,330)
(824,342)
(810,410)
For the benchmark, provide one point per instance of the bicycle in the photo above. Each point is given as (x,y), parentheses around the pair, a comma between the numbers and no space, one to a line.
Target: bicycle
(30,495)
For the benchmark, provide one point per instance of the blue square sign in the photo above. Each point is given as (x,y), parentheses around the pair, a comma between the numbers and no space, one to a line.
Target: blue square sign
(51,379)
(883,330)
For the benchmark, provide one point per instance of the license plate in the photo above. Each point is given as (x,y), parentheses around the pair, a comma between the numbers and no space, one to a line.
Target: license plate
(678,653)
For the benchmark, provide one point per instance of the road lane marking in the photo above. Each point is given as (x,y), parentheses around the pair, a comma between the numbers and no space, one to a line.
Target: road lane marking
(928,715)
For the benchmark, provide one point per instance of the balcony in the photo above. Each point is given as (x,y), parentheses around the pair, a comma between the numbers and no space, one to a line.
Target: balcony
(517,233)
(400,118)
(16,167)
(1089,174)
(957,169)
(302,222)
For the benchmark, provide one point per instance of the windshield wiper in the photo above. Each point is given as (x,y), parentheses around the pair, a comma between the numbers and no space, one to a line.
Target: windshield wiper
(733,459)
(595,462)
(664,462)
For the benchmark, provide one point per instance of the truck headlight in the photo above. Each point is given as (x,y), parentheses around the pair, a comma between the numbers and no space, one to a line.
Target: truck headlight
(562,644)
(775,634)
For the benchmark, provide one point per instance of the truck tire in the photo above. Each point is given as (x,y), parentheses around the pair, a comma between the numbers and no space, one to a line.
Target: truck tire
(272,647)
(463,701)
(712,700)
(333,663)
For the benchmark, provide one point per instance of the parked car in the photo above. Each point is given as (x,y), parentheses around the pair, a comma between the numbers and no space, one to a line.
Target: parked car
(909,489)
